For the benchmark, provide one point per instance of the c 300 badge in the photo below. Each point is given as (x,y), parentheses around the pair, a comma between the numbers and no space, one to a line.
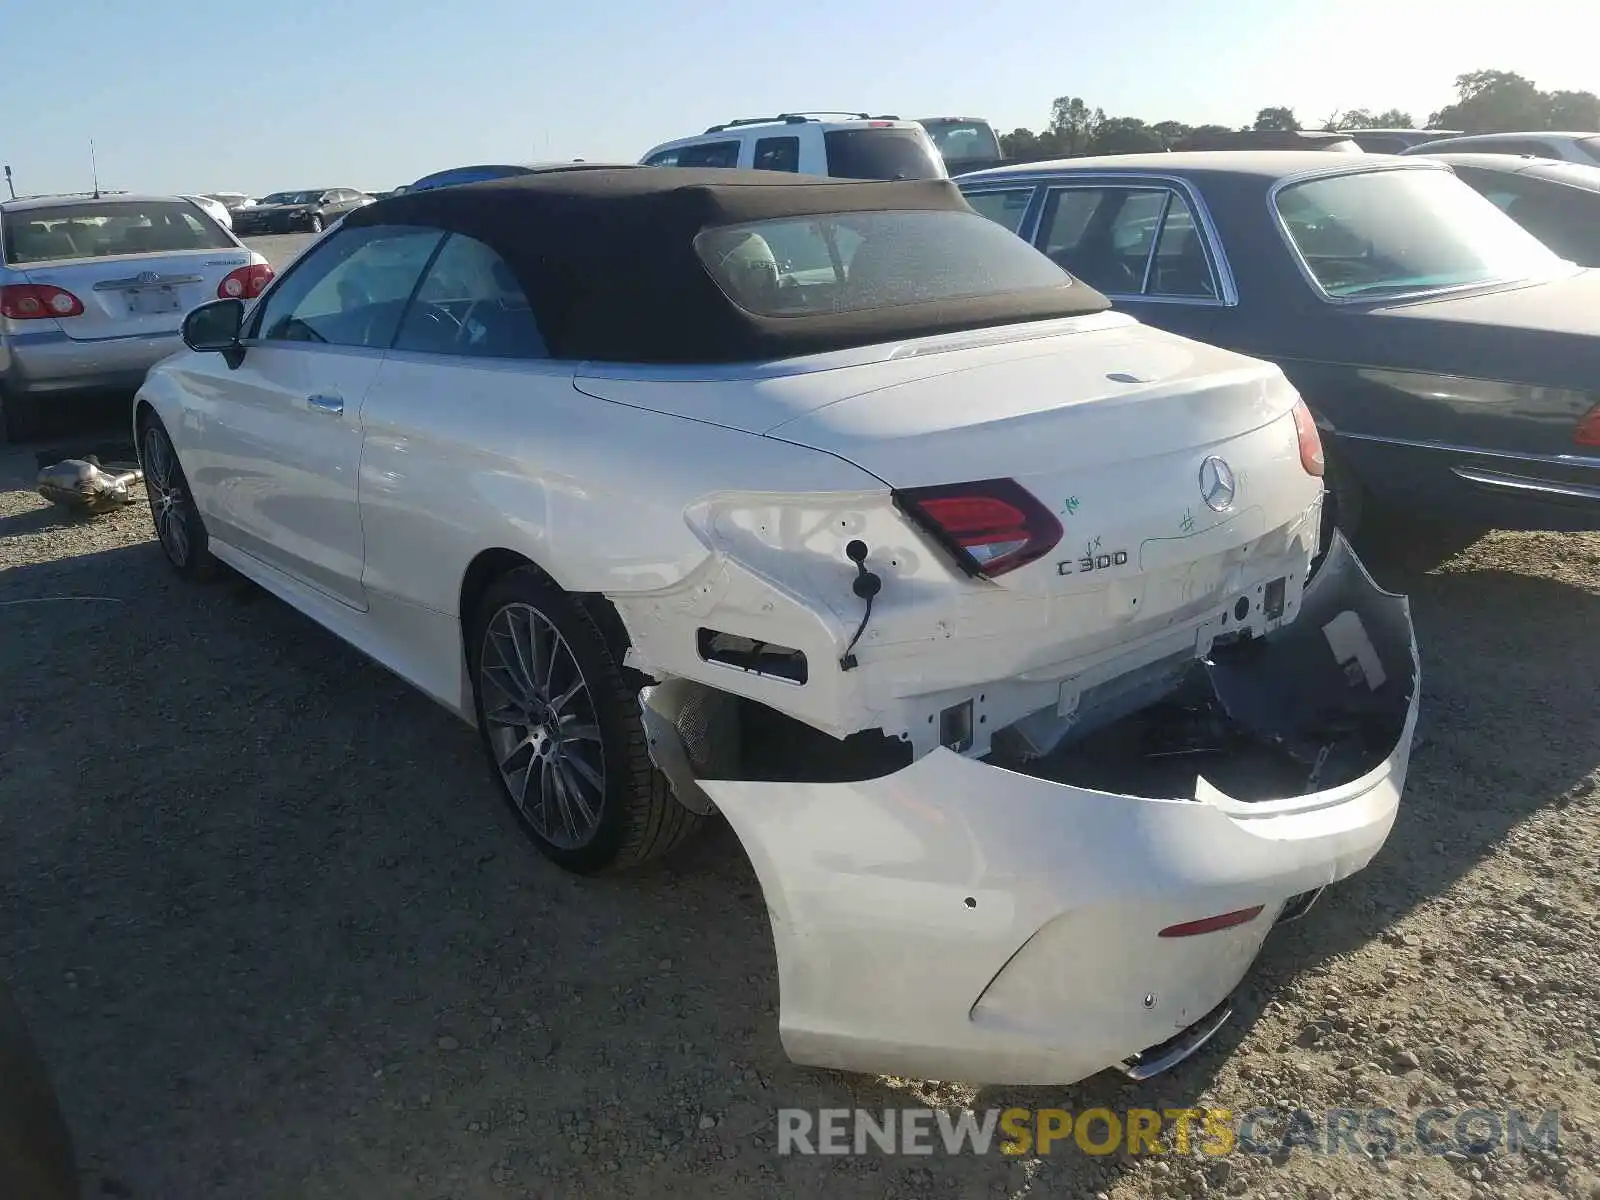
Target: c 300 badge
(1092,562)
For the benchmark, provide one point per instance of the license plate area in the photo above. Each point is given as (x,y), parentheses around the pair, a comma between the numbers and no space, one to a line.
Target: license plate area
(148,301)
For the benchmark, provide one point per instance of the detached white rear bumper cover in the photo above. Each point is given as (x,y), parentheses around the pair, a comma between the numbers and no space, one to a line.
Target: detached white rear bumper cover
(956,920)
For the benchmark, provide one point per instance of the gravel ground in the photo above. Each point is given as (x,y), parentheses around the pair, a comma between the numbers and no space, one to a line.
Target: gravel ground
(278,937)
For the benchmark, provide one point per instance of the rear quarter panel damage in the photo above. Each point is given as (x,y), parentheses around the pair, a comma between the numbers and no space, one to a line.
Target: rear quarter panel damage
(958,920)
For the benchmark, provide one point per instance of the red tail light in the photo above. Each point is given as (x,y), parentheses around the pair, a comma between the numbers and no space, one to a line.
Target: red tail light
(1305,427)
(246,283)
(1211,924)
(990,527)
(36,301)
(1588,431)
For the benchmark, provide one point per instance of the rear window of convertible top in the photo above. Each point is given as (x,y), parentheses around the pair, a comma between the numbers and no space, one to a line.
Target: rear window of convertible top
(852,262)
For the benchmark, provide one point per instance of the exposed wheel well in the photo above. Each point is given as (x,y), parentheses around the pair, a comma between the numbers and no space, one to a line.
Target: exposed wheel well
(489,565)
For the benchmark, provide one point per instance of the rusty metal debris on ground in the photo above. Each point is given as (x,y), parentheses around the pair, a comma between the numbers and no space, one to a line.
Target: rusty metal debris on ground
(84,485)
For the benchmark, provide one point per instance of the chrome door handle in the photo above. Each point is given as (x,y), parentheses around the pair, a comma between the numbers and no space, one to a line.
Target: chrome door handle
(327,404)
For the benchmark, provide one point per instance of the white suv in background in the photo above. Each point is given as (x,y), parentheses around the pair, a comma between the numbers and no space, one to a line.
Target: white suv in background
(854,146)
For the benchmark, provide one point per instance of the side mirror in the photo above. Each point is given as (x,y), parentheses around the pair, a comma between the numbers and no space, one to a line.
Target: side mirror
(214,328)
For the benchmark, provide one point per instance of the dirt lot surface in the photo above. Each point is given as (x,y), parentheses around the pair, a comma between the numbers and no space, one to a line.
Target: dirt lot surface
(280,248)
(278,937)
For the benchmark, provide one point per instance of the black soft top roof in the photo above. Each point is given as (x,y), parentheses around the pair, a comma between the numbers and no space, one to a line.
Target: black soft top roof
(606,258)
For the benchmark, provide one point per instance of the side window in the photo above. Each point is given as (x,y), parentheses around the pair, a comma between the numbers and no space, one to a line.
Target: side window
(1181,268)
(350,290)
(1495,186)
(1559,216)
(470,304)
(778,154)
(667,158)
(1103,235)
(1066,218)
(1003,208)
(710,154)
(1127,241)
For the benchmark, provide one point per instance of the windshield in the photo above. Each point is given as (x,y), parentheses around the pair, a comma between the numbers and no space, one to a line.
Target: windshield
(882,153)
(1591,147)
(851,262)
(1398,231)
(292,198)
(963,139)
(109,230)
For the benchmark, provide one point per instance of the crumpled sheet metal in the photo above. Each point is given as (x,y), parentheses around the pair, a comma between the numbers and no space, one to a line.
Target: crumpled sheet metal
(83,485)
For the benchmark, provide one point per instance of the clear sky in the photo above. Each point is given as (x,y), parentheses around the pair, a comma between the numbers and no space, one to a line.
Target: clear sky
(263,95)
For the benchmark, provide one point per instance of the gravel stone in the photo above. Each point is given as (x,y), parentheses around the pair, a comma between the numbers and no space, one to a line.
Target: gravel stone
(242,857)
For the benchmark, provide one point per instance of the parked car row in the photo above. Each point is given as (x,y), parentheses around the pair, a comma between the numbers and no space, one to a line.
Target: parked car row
(308,211)
(974,546)
(843,145)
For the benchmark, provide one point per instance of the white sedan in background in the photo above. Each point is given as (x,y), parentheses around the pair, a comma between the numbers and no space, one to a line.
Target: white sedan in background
(979,610)
(214,209)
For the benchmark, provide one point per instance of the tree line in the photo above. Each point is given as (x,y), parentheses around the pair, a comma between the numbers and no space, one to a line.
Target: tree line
(1486,102)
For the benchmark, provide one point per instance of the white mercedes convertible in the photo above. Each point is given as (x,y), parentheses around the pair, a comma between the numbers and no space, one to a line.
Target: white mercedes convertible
(993,621)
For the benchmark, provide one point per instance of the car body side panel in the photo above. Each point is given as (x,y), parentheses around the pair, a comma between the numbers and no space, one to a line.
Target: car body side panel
(272,473)
(462,456)
(954,920)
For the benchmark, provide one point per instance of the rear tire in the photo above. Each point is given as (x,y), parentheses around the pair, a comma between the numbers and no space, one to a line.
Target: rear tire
(179,529)
(561,727)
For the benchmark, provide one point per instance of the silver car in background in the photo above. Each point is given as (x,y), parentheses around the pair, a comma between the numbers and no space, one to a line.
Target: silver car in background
(93,292)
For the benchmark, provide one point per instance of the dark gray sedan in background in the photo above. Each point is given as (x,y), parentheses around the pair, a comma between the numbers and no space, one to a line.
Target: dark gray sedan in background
(1452,360)
(298,212)
(1558,202)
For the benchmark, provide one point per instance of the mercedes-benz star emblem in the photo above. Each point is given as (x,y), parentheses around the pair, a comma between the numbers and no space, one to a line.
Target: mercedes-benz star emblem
(1216,484)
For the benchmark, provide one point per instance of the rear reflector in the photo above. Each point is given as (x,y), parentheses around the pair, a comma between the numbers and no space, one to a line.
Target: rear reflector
(1588,431)
(1305,427)
(37,301)
(1211,924)
(989,527)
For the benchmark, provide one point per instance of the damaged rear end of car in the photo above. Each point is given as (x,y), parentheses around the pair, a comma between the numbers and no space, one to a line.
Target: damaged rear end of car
(1032,749)
(998,625)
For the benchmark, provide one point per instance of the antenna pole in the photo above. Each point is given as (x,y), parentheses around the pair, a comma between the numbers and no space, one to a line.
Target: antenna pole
(9,184)
(94,169)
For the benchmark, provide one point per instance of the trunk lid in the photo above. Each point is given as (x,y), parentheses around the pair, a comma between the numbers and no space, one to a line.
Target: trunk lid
(1106,422)
(1115,435)
(137,295)
(1099,398)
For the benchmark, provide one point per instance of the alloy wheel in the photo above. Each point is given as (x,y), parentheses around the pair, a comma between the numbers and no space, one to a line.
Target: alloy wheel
(542,726)
(169,502)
